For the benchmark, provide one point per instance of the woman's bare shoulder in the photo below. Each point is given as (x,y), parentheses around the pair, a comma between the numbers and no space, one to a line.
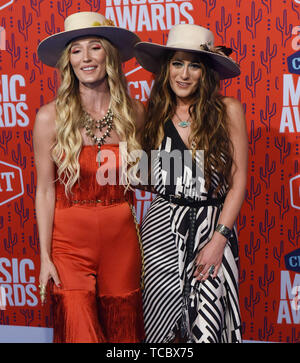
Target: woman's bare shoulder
(232,103)
(47,112)
(45,120)
(234,109)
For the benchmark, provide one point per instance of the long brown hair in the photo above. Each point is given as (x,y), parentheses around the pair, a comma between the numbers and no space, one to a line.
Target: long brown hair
(209,129)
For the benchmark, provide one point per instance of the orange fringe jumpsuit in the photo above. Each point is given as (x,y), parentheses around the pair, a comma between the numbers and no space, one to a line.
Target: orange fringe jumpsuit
(96,252)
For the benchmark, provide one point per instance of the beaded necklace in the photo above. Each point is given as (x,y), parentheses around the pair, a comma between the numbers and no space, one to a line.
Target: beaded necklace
(91,125)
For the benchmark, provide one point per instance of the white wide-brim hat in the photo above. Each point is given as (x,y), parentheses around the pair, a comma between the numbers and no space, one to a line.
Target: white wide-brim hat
(82,24)
(188,38)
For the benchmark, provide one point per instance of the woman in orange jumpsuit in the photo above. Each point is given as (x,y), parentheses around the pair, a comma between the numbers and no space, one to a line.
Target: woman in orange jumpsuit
(88,238)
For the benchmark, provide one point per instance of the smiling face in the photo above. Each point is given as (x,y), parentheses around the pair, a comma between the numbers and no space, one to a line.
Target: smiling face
(88,60)
(185,74)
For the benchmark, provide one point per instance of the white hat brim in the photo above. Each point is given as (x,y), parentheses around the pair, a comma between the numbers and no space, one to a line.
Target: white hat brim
(51,48)
(149,55)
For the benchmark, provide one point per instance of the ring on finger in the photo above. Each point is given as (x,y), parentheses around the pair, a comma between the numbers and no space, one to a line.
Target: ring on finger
(200,268)
(211,269)
(43,293)
(42,289)
(201,274)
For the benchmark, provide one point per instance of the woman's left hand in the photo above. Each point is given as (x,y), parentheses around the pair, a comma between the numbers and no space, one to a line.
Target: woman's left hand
(210,258)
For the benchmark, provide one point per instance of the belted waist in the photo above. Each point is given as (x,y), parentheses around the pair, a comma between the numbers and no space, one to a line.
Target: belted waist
(189,202)
(93,202)
(99,201)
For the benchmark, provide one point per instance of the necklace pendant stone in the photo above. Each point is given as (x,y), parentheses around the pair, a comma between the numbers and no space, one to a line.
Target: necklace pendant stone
(99,157)
(184,124)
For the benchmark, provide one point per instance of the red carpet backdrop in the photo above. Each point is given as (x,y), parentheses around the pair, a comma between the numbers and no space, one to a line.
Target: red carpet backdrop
(265,38)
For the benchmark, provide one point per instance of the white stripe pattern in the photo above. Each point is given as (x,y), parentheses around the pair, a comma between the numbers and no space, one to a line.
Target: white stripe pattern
(212,313)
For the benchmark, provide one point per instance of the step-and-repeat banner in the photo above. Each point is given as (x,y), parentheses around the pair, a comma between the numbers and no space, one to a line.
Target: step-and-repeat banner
(265,38)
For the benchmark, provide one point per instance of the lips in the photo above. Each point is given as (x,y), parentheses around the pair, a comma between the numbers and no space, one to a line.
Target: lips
(88,68)
(183,84)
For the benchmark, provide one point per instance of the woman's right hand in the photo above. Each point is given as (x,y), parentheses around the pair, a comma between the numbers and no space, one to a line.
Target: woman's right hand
(48,271)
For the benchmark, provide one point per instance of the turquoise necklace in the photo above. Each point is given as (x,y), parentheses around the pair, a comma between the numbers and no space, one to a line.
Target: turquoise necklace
(182,123)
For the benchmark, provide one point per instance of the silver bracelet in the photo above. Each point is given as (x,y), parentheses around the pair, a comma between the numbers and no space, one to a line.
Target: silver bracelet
(225,231)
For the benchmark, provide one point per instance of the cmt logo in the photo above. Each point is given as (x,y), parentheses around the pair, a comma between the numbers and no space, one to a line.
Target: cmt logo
(5,3)
(292,261)
(295,191)
(294,63)
(11,182)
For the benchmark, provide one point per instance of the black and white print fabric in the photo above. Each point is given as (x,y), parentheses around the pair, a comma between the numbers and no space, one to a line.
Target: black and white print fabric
(211,312)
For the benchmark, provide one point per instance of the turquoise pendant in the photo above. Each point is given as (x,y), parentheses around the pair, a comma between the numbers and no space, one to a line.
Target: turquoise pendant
(184,123)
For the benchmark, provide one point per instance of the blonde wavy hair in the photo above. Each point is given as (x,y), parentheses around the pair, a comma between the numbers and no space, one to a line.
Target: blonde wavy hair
(209,131)
(69,112)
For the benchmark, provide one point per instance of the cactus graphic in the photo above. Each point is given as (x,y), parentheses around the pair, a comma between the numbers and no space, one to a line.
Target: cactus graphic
(53,85)
(36,6)
(295,9)
(265,281)
(283,147)
(253,79)
(253,137)
(50,28)
(252,248)
(265,116)
(94,4)
(266,172)
(32,76)
(268,5)
(209,6)
(18,158)
(226,83)
(250,302)
(253,20)
(295,337)
(28,316)
(34,240)
(13,50)
(252,193)
(242,276)
(239,48)
(63,7)
(282,202)
(28,139)
(4,140)
(10,241)
(31,188)
(21,212)
(277,255)
(266,226)
(24,23)
(267,56)
(284,28)
(37,63)
(265,333)
(241,223)
(294,234)
(223,25)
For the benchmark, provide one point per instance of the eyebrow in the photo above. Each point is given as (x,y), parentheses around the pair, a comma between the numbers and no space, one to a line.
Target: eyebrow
(182,60)
(90,41)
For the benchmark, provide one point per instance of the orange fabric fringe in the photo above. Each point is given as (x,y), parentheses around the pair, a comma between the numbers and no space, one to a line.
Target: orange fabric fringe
(80,317)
